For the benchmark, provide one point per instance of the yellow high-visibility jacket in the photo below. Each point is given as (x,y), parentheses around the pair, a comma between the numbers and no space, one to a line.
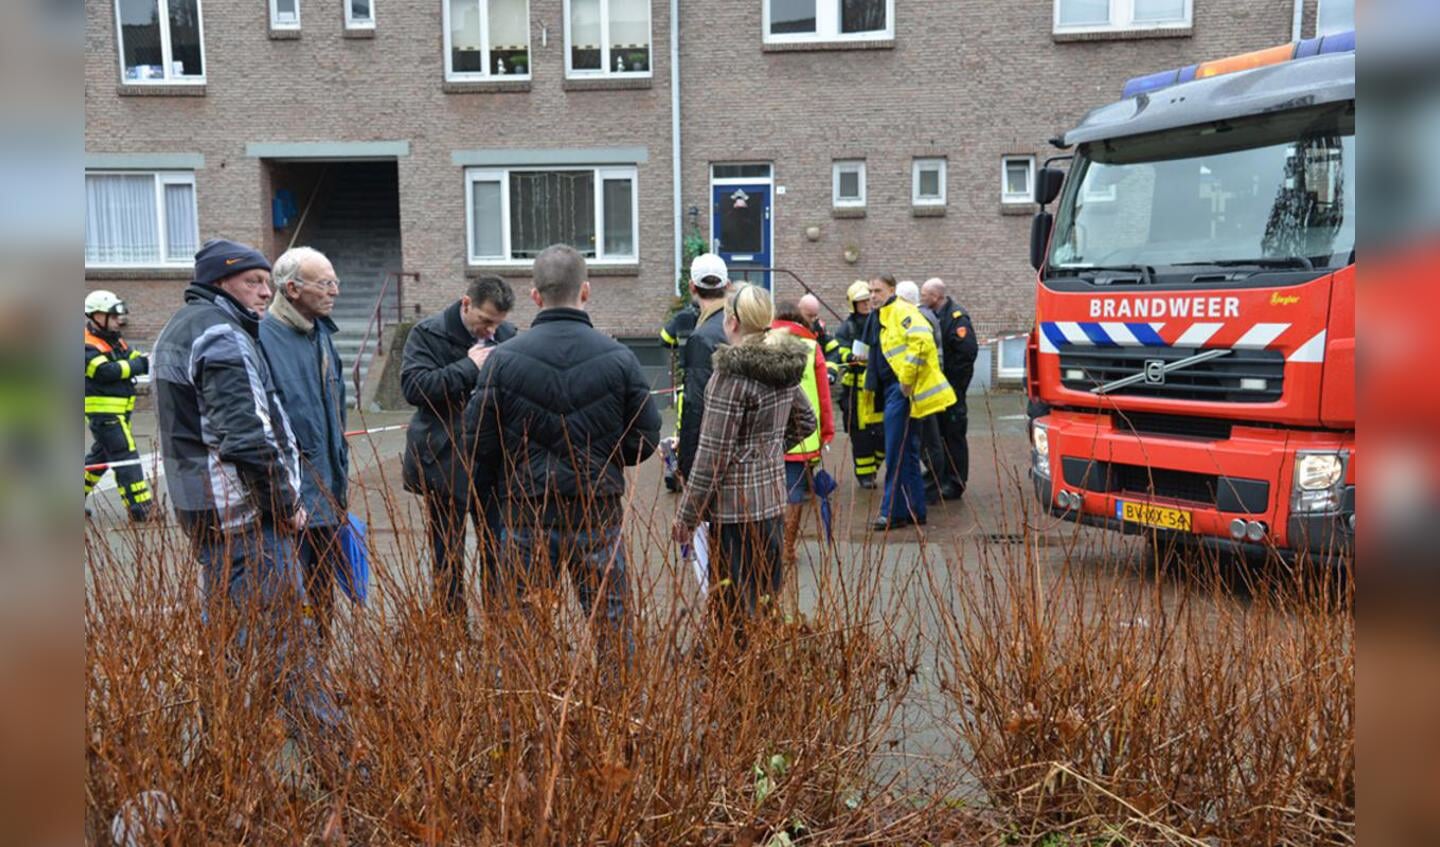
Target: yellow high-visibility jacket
(908,344)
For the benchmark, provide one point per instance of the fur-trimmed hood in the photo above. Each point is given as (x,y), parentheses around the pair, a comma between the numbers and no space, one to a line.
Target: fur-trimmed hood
(778,362)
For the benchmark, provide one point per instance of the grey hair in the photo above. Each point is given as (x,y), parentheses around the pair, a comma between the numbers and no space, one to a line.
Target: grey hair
(287,267)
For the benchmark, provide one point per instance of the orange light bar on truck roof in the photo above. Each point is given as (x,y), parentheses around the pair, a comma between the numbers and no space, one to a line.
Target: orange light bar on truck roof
(1246,61)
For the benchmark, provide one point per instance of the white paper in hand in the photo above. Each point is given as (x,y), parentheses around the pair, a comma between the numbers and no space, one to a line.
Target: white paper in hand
(700,556)
(860,350)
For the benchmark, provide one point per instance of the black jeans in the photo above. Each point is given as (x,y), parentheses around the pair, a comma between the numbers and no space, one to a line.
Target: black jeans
(318,549)
(749,556)
(445,519)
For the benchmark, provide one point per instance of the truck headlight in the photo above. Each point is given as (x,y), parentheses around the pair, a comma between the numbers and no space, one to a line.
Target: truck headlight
(1040,444)
(1318,471)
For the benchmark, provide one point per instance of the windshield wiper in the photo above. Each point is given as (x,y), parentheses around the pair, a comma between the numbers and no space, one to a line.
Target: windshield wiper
(1093,274)
(1271,262)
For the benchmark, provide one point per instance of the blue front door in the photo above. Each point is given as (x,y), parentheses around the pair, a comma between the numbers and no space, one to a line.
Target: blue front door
(740,230)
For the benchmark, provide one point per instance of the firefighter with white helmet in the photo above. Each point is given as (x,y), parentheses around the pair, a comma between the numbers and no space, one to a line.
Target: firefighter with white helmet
(111,367)
(867,443)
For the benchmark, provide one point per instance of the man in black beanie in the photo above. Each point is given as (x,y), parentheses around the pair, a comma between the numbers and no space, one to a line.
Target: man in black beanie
(232,467)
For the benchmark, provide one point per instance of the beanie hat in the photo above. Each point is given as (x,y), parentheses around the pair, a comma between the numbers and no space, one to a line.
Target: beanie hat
(220,258)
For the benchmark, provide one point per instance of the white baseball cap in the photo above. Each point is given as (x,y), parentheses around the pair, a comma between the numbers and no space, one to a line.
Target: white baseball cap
(708,265)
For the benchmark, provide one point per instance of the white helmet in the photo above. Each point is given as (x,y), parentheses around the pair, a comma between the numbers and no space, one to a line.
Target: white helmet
(104,302)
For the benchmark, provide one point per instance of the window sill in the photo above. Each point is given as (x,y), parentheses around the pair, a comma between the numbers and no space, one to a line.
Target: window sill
(608,83)
(527,271)
(1018,208)
(185,274)
(285,34)
(1124,34)
(360,32)
(816,46)
(847,211)
(933,211)
(131,90)
(495,86)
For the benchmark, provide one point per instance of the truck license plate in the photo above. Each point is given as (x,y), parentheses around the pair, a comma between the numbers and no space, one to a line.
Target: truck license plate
(1158,516)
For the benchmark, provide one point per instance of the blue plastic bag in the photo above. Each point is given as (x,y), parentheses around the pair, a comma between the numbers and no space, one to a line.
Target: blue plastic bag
(355,578)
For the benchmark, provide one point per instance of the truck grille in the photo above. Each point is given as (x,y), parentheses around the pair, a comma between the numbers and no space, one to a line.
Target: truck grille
(1149,423)
(1218,380)
(1159,482)
(1225,493)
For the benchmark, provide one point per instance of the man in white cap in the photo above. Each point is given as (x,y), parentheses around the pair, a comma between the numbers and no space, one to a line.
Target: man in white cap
(709,282)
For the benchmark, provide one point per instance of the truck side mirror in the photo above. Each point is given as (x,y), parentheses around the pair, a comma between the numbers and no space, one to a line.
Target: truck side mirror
(1040,227)
(1047,185)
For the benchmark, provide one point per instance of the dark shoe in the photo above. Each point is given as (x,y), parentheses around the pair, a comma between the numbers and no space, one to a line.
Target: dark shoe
(883,523)
(952,492)
(672,484)
(932,497)
(867,481)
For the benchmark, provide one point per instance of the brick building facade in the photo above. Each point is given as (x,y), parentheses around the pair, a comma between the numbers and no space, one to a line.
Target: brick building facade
(278,96)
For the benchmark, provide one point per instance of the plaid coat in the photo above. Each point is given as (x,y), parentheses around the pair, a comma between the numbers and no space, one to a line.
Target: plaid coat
(754,411)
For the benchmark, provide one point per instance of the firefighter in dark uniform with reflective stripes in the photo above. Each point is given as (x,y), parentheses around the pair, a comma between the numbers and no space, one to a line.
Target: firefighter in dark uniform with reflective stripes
(111,367)
(867,443)
(958,350)
(672,337)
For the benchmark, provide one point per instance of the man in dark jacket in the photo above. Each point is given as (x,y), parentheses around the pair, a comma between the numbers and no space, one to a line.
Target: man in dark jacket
(709,281)
(232,467)
(958,360)
(563,409)
(443,354)
(296,336)
(675,333)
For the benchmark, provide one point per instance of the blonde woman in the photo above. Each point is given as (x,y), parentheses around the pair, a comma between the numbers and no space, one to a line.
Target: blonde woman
(755,410)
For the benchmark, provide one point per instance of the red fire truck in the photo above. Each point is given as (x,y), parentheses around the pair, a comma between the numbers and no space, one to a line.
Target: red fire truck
(1192,367)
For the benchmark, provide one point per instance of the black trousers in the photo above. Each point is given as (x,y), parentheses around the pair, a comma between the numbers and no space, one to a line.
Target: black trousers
(749,556)
(115,443)
(867,444)
(445,519)
(954,432)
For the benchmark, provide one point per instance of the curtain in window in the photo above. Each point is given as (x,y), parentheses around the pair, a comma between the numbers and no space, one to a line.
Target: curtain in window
(629,35)
(1156,11)
(555,207)
(585,35)
(485,216)
(1084,12)
(181,228)
(121,226)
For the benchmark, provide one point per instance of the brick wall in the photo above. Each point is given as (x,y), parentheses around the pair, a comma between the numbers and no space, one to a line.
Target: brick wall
(960,80)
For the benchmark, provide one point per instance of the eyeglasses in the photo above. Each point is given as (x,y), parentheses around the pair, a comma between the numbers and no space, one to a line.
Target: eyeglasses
(324,284)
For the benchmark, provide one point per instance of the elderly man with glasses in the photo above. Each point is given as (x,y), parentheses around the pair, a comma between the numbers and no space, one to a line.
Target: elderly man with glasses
(297,336)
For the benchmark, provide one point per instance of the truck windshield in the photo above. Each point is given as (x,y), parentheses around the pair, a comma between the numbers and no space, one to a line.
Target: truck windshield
(1270,191)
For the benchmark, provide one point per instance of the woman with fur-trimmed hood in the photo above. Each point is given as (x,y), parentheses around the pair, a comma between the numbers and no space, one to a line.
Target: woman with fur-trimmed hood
(755,410)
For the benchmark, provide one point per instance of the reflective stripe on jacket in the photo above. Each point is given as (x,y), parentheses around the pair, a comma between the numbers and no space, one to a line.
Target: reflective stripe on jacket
(816,385)
(907,341)
(110,371)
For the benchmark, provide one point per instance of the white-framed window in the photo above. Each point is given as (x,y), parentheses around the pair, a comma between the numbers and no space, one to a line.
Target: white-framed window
(927,177)
(284,14)
(487,38)
(1010,357)
(514,213)
(162,42)
(848,183)
(1333,16)
(607,38)
(359,14)
(788,21)
(1100,15)
(140,219)
(1017,179)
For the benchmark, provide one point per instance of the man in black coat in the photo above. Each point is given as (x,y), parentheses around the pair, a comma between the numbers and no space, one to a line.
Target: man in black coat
(442,360)
(563,410)
(959,348)
(709,282)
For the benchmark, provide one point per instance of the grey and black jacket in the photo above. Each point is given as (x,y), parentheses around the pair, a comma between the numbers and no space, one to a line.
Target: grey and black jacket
(230,455)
